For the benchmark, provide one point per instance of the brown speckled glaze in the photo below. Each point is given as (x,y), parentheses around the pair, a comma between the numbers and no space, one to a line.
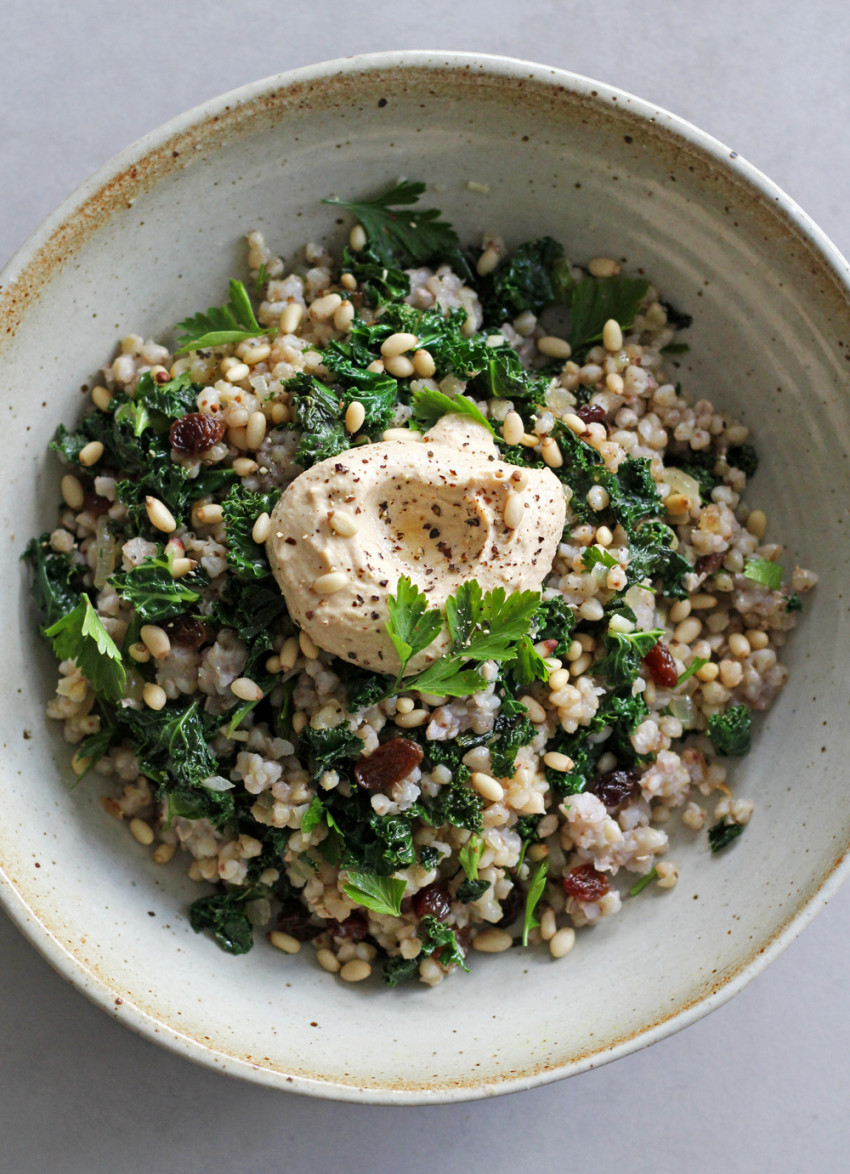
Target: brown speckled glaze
(150,239)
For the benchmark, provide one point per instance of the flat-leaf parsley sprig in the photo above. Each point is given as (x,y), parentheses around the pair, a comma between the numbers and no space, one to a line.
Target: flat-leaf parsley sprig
(220,325)
(397,232)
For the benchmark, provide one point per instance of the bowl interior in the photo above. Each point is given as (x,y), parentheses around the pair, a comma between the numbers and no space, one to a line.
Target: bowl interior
(156,237)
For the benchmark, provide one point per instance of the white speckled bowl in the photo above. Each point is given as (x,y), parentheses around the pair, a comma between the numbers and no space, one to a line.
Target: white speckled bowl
(155,235)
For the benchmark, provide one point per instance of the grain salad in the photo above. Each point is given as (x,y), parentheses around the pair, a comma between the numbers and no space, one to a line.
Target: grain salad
(390,807)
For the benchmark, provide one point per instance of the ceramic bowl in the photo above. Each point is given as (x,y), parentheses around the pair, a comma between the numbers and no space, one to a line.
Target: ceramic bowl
(156,234)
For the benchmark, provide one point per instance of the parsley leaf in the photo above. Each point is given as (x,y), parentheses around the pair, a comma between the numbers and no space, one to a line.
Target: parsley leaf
(593,300)
(381,894)
(80,636)
(721,834)
(487,626)
(469,856)
(431,406)
(762,570)
(233,322)
(401,236)
(412,625)
(535,891)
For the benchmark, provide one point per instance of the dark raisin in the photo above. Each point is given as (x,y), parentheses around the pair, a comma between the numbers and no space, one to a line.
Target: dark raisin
(592,414)
(94,504)
(196,432)
(512,906)
(709,563)
(432,901)
(355,927)
(659,660)
(388,765)
(188,632)
(294,919)
(585,883)
(615,787)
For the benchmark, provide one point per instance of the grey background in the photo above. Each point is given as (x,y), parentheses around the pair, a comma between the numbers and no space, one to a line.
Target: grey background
(763,1083)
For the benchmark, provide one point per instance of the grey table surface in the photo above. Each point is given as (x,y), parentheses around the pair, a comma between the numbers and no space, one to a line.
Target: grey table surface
(763,1083)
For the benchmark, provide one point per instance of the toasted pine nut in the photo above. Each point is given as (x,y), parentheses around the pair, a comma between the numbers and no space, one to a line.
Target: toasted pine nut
(91,453)
(156,640)
(487,787)
(562,942)
(164,853)
(399,366)
(244,466)
(284,941)
(355,414)
(412,720)
(512,428)
(328,960)
(289,653)
(72,492)
(141,831)
(492,941)
(154,696)
(553,347)
(612,335)
(343,523)
(560,762)
(357,238)
(246,689)
(330,583)
(423,362)
(325,307)
(355,970)
(343,317)
(514,511)
(291,317)
(398,344)
(307,646)
(261,529)
(255,430)
(101,398)
(159,515)
(551,454)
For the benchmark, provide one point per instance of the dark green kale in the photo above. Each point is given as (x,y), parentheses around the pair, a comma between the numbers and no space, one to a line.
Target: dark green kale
(624,652)
(224,914)
(731,731)
(330,748)
(429,857)
(436,938)
(154,593)
(621,713)
(526,828)
(456,803)
(676,319)
(632,492)
(555,620)
(241,509)
(523,281)
(471,890)
(363,688)
(745,458)
(57,580)
(794,603)
(319,414)
(699,465)
(651,556)
(721,834)
(397,233)
(514,730)
(251,608)
(92,749)
(379,283)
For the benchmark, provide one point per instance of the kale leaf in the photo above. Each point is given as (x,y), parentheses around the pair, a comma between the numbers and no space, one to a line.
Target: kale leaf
(379,283)
(523,281)
(241,509)
(457,804)
(651,556)
(332,747)
(154,593)
(731,731)
(435,937)
(57,581)
(319,415)
(722,833)
(224,914)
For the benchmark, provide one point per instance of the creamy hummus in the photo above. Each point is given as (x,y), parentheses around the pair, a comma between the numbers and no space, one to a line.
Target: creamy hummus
(433,509)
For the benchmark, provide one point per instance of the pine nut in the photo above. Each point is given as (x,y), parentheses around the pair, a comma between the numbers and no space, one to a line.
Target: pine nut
(255,430)
(404,705)
(207,514)
(708,672)
(181,567)
(400,367)
(558,679)
(553,347)
(413,719)
(562,942)
(739,645)
(237,373)
(398,344)
(575,424)
(355,414)
(680,610)
(756,523)
(612,335)
(156,640)
(560,762)
(343,317)
(91,453)
(687,631)
(72,492)
(101,398)
(141,831)
(307,646)
(519,479)
(325,307)
(244,466)
(246,689)
(254,354)
(154,696)
(139,653)
(615,383)
(757,640)
(514,511)
(677,503)
(548,925)
(529,440)
(330,583)
(291,317)
(536,712)
(261,529)
(343,523)
(492,941)
(348,281)
(376,366)
(487,787)
(164,853)
(289,653)
(328,960)
(285,942)
(512,428)
(703,601)
(581,665)
(423,362)
(159,515)
(273,665)
(487,262)
(551,454)
(603,267)
(731,673)
(357,238)
(604,537)
(355,970)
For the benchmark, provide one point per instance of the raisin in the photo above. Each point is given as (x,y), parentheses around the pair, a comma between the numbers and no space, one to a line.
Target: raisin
(355,927)
(615,787)
(196,432)
(388,765)
(432,901)
(294,919)
(709,563)
(585,883)
(511,908)
(94,504)
(659,660)
(188,632)
(592,414)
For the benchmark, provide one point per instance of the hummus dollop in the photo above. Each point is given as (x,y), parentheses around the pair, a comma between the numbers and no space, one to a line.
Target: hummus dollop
(432,509)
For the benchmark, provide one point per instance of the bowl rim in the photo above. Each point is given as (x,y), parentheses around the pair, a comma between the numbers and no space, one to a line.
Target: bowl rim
(23,273)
